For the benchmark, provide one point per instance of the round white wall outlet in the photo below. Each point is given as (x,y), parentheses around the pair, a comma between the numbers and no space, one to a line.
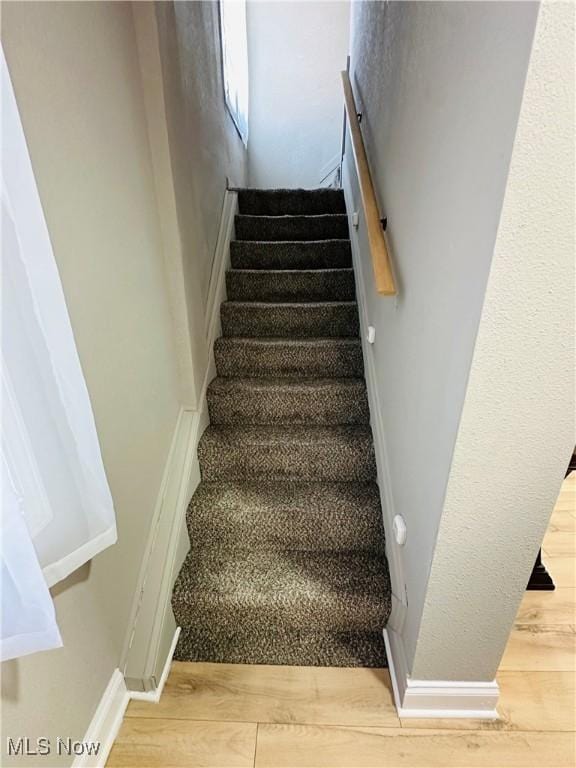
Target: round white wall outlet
(400,530)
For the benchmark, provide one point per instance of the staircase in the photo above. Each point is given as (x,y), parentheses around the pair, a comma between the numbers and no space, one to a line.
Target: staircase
(287,562)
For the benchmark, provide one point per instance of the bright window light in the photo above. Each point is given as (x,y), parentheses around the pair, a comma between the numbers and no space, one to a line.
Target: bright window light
(235,62)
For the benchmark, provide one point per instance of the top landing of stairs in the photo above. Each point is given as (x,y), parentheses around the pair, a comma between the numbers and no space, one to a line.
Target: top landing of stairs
(290,202)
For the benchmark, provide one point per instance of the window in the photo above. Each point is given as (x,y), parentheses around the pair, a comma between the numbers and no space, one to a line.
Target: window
(235,62)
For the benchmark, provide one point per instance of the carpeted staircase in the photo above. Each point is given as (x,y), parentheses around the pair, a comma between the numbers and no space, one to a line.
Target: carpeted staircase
(287,562)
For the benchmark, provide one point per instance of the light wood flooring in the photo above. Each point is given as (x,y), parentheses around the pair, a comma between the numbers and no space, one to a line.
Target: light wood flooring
(232,716)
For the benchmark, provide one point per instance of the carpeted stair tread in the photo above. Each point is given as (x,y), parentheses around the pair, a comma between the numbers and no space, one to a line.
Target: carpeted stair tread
(304,453)
(290,254)
(297,285)
(288,358)
(266,515)
(287,559)
(324,226)
(313,647)
(287,401)
(279,202)
(302,320)
(343,591)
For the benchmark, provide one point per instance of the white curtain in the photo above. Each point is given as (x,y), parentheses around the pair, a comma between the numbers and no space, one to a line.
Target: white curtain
(235,61)
(57,510)
(28,620)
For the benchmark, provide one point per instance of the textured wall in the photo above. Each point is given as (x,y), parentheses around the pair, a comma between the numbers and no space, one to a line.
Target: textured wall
(440,86)
(296,52)
(75,72)
(205,144)
(188,346)
(517,429)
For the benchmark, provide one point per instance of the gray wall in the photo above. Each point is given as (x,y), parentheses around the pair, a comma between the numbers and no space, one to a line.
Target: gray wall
(440,87)
(517,428)
(205,146)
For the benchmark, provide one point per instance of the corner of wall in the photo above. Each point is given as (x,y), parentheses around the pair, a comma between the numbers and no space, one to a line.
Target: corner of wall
(514,440)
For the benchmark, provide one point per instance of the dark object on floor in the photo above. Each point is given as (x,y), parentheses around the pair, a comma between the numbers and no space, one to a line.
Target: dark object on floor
(540,579)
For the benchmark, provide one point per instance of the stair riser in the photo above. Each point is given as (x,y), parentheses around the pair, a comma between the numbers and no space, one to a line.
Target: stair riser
(291,227)
(256,592)
(283,589)
(314,648)
(334,405)
(246,357)
(324,285)
(283,320)
(289,647)
(211,609)
(322,254)
(349,460)
(260,618)
(326,519)
(299,532)
(282,202)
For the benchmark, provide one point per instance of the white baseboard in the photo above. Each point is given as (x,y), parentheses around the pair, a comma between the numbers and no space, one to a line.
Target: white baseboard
(109,714)
(444,699)
(154,696)
(106,722)
(217,291)
(151,617)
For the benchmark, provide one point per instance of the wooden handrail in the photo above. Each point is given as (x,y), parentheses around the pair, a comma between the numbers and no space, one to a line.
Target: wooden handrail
(381,263)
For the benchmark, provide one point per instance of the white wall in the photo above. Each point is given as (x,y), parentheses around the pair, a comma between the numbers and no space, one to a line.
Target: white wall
(517,428)
(296,52)
(76,77)
(440,87)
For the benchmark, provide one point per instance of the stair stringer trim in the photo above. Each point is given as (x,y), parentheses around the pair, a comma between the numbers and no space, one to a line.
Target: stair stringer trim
(393,552)
(168,542)
(151,621)
(220,263)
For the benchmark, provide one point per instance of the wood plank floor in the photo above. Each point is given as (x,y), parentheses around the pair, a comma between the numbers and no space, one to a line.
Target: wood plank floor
(231,716)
